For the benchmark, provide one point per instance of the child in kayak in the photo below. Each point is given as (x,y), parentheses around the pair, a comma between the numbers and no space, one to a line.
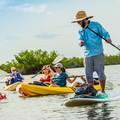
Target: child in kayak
(60,77)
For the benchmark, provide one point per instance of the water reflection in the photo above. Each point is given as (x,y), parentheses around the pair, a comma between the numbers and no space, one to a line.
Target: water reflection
(99,112)
(52,107)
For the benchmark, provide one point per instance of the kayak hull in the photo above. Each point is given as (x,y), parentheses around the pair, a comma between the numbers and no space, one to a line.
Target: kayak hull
(12,87)
(36,90)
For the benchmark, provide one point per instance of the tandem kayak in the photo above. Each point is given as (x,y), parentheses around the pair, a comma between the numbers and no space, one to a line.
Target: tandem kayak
(12,87)
(36,90)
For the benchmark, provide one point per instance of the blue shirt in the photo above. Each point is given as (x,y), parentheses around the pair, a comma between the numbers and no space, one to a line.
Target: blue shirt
(17,77)
(60,79)
(92,42)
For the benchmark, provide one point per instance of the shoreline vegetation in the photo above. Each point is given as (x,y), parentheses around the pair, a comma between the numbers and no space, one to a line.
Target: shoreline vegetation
(30,62)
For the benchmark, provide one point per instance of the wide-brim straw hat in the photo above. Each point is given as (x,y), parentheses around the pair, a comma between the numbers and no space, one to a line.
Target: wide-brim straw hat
(81,15)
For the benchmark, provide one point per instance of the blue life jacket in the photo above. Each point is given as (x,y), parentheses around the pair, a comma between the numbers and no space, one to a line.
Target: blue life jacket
(17,78)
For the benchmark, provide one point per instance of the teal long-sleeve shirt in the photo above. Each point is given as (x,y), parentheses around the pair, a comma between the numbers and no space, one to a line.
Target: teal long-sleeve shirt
(92,42)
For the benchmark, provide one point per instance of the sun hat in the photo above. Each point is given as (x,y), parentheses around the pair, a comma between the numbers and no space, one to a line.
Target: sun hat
(13,68)
(81,15)
(59,65)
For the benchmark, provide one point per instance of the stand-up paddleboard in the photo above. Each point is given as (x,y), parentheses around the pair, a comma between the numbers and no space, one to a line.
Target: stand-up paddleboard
(86,100)
(12,87)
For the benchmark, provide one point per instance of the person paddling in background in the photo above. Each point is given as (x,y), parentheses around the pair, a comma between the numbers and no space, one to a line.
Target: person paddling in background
(94,57)
(14,77)
(60,77)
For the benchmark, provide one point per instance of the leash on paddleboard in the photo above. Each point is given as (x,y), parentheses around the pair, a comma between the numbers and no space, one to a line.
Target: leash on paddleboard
(56,60)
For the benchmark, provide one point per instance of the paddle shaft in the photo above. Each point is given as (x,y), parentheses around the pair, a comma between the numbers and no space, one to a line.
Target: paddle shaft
(103,38)
(56,60)
(5,82)
(36,74)
(2,82)
(70,76)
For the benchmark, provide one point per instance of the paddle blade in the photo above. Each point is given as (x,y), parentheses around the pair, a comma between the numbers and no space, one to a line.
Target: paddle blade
(3,74)
(58,59)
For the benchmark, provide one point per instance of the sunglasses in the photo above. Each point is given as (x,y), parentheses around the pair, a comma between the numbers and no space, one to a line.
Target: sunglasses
(79,22)
(56,67)
(45,69)
(13,70)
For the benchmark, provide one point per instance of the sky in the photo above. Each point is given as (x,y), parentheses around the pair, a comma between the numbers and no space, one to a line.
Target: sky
(46,25)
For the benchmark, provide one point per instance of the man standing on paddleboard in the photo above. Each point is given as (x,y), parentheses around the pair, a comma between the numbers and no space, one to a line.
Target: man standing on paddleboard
(90,38)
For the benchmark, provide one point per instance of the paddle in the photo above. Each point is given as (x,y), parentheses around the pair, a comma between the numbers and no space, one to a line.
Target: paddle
(102,37)
(3,73)
(56,60)
(2,82)
(72,76)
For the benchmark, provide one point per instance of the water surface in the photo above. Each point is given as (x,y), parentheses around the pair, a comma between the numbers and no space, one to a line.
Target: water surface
(52,107)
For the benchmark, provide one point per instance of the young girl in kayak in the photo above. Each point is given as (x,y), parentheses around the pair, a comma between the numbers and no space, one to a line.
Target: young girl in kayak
(60,78)
(46,77)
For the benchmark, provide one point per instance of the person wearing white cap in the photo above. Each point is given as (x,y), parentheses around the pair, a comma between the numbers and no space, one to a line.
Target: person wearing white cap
(14,76)
(60,77)
(91,40)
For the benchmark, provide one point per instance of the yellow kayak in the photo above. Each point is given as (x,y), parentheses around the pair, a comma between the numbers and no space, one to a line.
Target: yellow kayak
(97,87)
(36,90)
(12,87)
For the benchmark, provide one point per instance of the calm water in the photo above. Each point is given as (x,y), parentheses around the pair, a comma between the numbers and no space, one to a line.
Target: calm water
(52,107)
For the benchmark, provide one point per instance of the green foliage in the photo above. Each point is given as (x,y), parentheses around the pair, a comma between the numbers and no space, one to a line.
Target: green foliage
(112,59)
(30,62)
(72,62)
